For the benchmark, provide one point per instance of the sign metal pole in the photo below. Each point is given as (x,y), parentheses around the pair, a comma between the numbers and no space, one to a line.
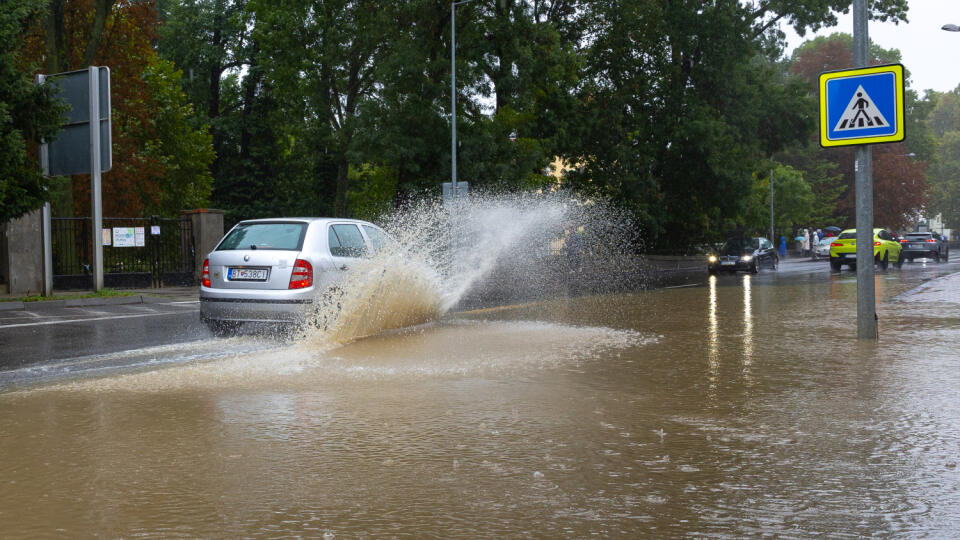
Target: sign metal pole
(863,167)
(47,221)
(95,172)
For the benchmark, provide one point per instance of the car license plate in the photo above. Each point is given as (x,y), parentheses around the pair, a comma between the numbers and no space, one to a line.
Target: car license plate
(849,255)
(727,263)
(916,246)
(247,274)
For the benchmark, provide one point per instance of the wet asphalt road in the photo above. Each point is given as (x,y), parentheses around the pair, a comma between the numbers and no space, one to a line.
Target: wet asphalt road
(40,336)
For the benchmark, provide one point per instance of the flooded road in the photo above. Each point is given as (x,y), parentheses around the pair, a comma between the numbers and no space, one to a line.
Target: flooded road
(739,407)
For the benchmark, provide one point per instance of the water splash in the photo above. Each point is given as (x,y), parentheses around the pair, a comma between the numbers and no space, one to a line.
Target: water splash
(487,249)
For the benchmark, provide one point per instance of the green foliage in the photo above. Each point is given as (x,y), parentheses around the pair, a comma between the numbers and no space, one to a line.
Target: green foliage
(184,152)
(944,172)
(342,107)
(372,191)
(793,201)
(28,113)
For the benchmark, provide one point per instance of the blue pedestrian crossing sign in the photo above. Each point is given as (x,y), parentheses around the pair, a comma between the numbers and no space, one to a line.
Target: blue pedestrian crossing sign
(861,106)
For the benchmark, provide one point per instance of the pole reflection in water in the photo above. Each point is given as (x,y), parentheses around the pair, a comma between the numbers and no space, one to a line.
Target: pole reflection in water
(713,340)
(747,329)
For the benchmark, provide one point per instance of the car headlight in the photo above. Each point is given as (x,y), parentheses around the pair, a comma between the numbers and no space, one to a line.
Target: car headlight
(712,258)
(746,258)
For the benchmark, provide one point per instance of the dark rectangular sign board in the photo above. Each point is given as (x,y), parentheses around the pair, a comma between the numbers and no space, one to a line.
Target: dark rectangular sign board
(69,153)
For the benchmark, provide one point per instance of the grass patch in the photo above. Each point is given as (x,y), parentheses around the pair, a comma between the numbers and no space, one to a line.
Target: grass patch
(104,293)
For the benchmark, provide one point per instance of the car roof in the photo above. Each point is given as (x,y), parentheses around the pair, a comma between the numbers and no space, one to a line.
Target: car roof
(875,230)
(306,220)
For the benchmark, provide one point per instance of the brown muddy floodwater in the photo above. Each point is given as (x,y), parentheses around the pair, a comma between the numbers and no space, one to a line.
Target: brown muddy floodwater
(740,408)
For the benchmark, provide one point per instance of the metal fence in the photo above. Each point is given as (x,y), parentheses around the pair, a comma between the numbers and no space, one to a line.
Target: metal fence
(137,252)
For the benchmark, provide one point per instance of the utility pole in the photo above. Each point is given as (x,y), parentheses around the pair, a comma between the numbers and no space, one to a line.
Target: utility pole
(772,239)
(863,167)
(453,94)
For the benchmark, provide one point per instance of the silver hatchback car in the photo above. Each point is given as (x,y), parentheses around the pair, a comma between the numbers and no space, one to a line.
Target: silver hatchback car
(273,270)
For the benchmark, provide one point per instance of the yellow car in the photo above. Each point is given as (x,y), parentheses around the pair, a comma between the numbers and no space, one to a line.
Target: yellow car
(843,250)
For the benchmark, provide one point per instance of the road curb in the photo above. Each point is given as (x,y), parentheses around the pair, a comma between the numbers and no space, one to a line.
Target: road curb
(10,306)
(105,301)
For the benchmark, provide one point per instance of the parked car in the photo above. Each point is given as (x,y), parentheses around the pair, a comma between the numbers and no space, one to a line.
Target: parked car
(743,253)
(925,245)
(822,248)
(843,250)
(272,270)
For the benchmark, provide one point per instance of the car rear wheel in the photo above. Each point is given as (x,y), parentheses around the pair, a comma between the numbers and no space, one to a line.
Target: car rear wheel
(835,264)
(753,267)
(936,257)
(900,261)
(885,263)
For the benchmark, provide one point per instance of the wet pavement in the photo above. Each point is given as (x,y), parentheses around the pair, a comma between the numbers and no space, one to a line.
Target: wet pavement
(734,406)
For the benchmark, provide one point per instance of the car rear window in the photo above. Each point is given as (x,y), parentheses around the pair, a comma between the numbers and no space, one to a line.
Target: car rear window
(918,236)
(276,236)
(847,236)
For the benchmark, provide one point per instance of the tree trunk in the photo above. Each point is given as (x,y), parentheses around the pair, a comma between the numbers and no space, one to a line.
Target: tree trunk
(53,28)
(102,11)
(340,200)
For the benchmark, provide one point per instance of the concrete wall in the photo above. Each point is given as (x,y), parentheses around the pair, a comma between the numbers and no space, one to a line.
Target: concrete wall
(22,260)
(207,232)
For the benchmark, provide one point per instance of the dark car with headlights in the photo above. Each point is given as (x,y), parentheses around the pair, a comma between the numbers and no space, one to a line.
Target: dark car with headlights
(743,253)
(924,245)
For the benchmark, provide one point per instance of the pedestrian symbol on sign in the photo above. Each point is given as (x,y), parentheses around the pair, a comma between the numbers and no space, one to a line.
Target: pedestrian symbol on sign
(861,113)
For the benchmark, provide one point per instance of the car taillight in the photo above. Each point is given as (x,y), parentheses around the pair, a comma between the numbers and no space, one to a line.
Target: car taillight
(302,275)
(875,244)
(836,244)
(930,240)
(903,240)
(205,275)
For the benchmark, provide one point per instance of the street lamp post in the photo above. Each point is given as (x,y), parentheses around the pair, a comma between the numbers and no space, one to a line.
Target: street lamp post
(453,95)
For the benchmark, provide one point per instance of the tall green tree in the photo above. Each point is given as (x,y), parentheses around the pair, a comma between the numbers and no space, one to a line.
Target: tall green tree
(944,172)
(681,103)
(322,62)
(28,113)
(793,202)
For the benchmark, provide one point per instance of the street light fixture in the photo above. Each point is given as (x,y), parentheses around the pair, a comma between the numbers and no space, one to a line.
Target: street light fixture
(950,28)
(453,95)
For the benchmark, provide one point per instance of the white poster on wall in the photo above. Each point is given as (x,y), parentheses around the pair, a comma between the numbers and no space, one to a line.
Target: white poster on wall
(105,234)
(124,237)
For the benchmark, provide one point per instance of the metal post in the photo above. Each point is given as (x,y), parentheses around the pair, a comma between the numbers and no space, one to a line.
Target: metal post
(453,96)
(453,99)
(863,166)
(47,251)
(772,239)
(47,221)
(95,171)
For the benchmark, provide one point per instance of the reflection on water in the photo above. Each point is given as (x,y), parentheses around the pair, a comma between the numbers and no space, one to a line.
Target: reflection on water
(747,328)
(595,416)
(713,335)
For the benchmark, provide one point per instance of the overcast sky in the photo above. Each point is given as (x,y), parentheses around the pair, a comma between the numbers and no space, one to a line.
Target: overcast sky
(932,55)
